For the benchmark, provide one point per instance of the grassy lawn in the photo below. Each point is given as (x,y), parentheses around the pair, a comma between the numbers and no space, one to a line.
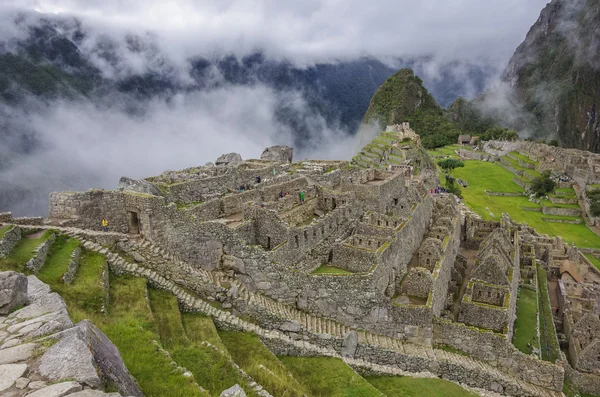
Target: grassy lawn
(526,322)
(4,229)
(22,252)
(595,261)
(212,369)
(446,151)
(257,361)
(548,343)
(402,386)
(328,377)
(485,176)
(325,269)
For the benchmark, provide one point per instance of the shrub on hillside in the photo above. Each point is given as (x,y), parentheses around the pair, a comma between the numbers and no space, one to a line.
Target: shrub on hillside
(499,134)
(594,197)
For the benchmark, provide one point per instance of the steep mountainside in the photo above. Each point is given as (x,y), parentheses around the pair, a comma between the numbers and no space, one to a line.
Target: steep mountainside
(404,98)
(555,73)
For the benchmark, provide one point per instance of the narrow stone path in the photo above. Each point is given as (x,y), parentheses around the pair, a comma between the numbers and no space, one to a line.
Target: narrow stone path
(471,256)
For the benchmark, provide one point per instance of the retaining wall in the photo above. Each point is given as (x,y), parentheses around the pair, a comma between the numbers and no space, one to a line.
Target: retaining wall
(40,254)
(9,240)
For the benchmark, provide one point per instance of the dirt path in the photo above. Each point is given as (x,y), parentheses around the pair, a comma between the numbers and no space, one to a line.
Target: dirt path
(471,256)
(35,235)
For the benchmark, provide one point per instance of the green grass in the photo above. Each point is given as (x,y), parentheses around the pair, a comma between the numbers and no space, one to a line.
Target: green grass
(22,252)
(548,343)
(485,176)
(326,269)
(515,164)
(257,361)
(595,261)
(183,206)
(524,158)
(526,322)
(4,229)
(402,386)
(547,203)
(567,190)
(130,327)
(212,369)
(199,328)
(328,377)
(57,261)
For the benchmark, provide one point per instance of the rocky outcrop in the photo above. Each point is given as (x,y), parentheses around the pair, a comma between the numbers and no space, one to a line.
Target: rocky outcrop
(138,186)
(228,159)
(13,291)
(58,358)
(282,154)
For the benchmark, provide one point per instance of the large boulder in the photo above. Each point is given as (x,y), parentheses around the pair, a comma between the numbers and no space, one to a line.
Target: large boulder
(282,154)
(349,344)
(13,291)
(138,186)
(228,159)
(88,356)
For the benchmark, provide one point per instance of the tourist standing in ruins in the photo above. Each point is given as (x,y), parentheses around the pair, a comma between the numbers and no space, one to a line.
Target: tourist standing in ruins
(105,224)
(301,196)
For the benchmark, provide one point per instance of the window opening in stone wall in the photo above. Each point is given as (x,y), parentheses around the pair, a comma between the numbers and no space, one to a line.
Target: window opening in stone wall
(387,223)
(360,241)
(268,242)
(305,235)
(378,244)
(315,232)
(297,242)
(378,223)
(395,201)
(369,243)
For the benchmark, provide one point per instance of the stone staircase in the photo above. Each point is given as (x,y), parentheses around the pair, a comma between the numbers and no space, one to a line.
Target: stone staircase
(409,357)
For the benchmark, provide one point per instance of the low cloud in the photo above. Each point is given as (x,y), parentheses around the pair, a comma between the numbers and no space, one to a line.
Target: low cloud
(83,145)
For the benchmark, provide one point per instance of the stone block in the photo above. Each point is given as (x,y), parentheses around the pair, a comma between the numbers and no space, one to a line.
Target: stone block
(13,291)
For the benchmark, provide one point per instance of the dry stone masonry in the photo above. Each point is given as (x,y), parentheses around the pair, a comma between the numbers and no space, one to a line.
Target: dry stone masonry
(330,258)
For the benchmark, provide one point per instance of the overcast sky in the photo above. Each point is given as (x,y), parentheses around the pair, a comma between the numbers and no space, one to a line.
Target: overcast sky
(312,30)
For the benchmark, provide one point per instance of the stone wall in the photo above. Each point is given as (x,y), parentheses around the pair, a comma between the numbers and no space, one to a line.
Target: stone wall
(419,282)
(561,211)
(69,276)
(497,350)
(354,259)
(40,254)
(585,383)
(9,240)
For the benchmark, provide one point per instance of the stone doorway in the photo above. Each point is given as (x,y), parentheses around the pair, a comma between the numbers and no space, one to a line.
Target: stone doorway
(133,222)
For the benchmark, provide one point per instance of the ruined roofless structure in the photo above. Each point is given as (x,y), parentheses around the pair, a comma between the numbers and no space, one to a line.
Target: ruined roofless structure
(321,258)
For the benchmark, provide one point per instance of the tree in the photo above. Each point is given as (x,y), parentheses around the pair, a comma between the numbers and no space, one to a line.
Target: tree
(449,165)
(499,134)
(553,142)
(543,185)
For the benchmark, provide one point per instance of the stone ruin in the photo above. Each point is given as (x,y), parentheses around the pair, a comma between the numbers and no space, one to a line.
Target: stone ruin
(360,261)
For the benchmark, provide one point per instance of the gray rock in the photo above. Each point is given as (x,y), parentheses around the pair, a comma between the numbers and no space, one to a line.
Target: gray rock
(93,393)
(282,154)
(36,288)
(13,291)
(228,159)
(138,186)
(38,384)
(22,383)
(209,164)
(70,358)
(137,257)
(235,391)
(108,361)
(496,387)
(349,344)
(290,326)
(57,390)
(17,353)
(9,373)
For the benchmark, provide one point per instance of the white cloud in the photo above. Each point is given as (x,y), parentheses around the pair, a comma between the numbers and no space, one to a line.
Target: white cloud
(313,31)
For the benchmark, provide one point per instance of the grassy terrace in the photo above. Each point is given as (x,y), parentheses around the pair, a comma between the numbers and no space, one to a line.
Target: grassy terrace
(548,343)
(525,334)
(524,158)
(4,229)
(530,173)
(595,261)
(328,377)
(326,269)
(257,361)
(446,151)
(485,176)
(22,252)
(211,367)
(396,386)
(547,203)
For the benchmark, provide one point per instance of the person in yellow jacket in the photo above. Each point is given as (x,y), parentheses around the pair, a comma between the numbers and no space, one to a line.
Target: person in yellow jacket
(105,224)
